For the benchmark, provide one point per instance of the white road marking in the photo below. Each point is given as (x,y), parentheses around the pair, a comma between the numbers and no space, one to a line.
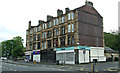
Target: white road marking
(81,69)
(15,70)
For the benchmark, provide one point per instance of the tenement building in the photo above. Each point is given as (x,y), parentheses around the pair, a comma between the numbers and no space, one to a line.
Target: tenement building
(82,26)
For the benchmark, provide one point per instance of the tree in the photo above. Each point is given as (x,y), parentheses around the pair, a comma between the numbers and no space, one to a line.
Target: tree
(18,46)
(13,47)
(111,40)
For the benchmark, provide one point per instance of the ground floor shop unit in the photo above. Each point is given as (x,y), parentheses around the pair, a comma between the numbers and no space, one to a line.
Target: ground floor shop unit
(41,55)
(68,55)
(79,54)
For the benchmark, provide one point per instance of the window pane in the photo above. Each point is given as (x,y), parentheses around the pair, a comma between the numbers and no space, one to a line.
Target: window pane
(49,43)
(45,26)
(38,45)
(69,41)
(45,34)
(35,29)
(62,19)
(38,37)
(53,32)
(64,30)
(68,27)
(68,16)
(39,28)
(72,40)
(72,27)
(54,22)
(42,45)
(56,31)
(45,45)
(72,15)
(49,25)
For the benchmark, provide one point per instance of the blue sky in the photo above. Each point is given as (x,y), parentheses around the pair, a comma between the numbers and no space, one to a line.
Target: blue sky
(15,14)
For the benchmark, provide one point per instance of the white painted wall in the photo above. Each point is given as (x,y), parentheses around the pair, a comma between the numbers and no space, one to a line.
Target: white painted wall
(97,53)
(83,58)
(36,57)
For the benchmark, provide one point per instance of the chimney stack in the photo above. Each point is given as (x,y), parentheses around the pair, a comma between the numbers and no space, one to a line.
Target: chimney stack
(49,17)
(67,9)
(59,12)
(89,3)
(29,24)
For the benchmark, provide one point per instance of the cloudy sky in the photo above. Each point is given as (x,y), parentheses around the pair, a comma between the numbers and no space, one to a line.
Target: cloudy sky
(15,14)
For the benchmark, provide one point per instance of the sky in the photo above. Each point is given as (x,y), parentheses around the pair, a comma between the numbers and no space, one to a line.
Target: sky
(15,14)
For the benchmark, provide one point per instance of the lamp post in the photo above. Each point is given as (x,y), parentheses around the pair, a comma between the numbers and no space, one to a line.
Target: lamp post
(12,50)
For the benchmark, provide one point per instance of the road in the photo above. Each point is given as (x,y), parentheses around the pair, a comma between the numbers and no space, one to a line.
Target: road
(15,67)
(106,66)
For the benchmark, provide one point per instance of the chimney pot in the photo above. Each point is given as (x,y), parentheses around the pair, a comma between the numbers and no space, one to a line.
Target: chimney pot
(29,24)
(67,9)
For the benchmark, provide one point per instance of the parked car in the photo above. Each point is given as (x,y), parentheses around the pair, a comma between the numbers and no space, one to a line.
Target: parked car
(26,59)
(3,58)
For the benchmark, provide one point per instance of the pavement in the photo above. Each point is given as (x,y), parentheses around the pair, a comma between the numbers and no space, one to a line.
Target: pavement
(106,66)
